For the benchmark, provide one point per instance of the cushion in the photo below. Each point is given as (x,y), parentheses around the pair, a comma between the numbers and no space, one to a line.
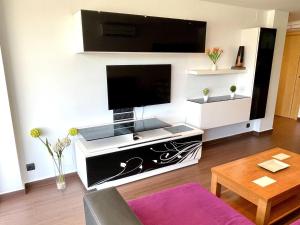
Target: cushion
(189,204)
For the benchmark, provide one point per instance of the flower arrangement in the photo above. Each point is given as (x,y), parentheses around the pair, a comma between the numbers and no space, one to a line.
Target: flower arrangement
(56,152)
(214,55)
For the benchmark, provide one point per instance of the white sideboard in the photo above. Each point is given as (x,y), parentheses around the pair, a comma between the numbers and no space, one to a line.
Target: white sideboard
(218,111)
(116,160)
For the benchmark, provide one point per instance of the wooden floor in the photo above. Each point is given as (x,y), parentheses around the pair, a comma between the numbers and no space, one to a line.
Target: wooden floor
(44,205)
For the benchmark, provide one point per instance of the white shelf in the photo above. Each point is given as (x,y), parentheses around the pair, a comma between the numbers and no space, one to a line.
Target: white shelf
(214,72)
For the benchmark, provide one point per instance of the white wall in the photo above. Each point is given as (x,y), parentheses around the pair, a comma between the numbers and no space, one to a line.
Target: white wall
(10,177)
(55,89)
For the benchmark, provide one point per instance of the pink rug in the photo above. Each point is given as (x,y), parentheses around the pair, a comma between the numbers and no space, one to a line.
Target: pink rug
(189,204)
(296,222)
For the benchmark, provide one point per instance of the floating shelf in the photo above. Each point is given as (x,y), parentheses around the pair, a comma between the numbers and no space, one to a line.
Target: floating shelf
(217,99)
(214,72)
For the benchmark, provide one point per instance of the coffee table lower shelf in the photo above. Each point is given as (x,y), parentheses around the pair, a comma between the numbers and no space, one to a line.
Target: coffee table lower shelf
(248,209)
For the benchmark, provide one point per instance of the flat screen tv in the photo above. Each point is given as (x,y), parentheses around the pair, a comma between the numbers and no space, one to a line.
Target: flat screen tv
(138,85)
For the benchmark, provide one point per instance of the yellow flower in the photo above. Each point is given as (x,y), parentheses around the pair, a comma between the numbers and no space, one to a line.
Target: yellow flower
(35,132)
(73,131)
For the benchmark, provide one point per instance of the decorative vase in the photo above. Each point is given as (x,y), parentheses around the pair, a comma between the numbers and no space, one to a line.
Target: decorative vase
(214,67)
(232,94)
(205,98)
(60,182)
(59,173)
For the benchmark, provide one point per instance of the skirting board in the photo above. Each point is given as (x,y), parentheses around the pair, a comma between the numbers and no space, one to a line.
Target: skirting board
(36,184)
(221,140)
(48,181)
(264,133)
(14,194)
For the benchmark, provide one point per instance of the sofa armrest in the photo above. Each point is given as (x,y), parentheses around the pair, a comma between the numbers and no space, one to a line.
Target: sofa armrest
(107,207)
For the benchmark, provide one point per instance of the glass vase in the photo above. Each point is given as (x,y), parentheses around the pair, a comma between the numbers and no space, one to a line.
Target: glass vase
(59,173)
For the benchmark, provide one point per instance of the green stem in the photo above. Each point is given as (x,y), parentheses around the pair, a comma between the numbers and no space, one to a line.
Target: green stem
(42,140)
(61,177)
(58,164)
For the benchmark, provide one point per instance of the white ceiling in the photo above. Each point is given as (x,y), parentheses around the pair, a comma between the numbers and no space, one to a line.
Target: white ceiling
(293,6)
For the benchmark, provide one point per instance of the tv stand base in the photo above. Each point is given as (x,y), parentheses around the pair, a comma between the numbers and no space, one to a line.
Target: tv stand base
(100,165)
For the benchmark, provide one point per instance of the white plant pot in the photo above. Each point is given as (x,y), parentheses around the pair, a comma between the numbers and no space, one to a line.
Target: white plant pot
(214,67)
(205,98)
(232,95)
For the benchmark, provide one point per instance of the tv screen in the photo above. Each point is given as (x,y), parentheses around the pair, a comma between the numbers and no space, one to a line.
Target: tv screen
(138,85)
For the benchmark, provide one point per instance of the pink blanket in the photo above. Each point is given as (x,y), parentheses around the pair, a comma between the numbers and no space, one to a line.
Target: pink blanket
(189,204)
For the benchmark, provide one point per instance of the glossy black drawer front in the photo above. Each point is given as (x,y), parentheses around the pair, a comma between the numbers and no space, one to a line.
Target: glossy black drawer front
(125,163)
(115,32)
(263,73)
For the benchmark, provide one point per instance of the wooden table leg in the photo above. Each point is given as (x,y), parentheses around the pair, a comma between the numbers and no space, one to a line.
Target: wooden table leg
(263,212)
(215,187)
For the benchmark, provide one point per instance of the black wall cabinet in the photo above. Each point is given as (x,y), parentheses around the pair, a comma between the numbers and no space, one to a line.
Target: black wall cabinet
(115,32)
(125,163)
(262,73)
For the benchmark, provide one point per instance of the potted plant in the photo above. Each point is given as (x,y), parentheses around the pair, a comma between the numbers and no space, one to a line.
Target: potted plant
(233,90)
(205,92)
(56,153)
(214,55)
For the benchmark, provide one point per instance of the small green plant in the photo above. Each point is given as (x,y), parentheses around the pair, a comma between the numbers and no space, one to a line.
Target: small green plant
(205,91)
(233,88)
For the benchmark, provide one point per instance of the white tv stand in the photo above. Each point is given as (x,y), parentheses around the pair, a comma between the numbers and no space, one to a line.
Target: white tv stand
(120,159)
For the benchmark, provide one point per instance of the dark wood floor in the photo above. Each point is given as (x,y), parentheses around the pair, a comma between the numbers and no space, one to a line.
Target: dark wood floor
(44,205)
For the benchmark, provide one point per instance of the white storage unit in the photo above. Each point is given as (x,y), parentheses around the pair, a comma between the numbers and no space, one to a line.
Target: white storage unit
(218,113)
(116,160)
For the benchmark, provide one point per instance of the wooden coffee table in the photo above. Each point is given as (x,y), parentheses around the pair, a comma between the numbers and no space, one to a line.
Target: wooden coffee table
(274,201)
